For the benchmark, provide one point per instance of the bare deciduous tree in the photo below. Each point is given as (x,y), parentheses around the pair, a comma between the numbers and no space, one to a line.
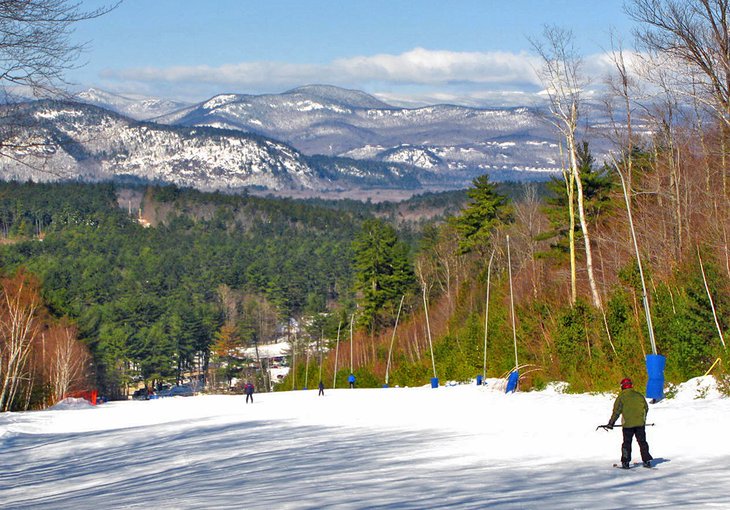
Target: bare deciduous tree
(36,45)
(564,82)
(18,330)
(67,360)
(695,33)
(36,50)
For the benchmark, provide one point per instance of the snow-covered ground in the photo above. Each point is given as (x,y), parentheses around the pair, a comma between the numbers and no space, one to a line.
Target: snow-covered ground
(455,447)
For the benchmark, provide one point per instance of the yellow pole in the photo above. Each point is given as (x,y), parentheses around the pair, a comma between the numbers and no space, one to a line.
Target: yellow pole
(713,366)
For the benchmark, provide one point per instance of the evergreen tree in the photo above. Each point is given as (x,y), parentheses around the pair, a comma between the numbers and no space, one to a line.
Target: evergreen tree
(485,210)
(598,182)
(383,272)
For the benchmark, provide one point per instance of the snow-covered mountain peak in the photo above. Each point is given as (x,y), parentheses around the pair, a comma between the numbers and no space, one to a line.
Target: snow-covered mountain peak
(220,100)
(135,106)
(338,95)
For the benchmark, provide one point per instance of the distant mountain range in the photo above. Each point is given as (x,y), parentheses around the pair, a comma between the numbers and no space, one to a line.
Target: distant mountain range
(317,138)
(134,106)
(68,140)
(320,119)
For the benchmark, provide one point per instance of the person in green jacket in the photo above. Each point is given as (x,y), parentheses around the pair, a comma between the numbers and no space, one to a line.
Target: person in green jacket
(632,406)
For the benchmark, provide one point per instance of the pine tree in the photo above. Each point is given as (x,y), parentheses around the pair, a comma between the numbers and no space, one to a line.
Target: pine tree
(383,272)
(597,186)
(485,211)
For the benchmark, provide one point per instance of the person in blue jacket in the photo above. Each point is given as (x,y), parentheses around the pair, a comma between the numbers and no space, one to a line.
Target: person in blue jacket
(248,390)
(321,389)
(351,380)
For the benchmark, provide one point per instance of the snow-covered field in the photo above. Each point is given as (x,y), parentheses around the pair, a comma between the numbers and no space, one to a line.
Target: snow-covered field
(455,447)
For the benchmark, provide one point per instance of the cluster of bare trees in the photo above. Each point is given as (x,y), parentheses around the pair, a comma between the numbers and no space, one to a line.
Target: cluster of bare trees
(40,360)
(674,128)
(36,43)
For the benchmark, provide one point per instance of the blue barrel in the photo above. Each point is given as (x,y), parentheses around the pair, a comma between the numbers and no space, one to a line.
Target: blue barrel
(514,376)
(655,364)
(385,385)
(434,382)
(479,380)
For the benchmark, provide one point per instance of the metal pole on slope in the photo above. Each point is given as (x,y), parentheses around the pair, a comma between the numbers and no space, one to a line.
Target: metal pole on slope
(434,381)
(655,363)
(306,367)
(337,352)
(392,340)
(512,302)
(709,296)
(514,376)
(294,363)
(486,314)
(644,295)
(352,323)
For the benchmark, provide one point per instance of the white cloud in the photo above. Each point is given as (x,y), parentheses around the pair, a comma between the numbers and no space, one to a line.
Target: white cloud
(417,66)
(422,66)
(416,76)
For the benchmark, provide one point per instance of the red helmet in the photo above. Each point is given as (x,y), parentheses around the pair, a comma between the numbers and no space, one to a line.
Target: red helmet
(626,383)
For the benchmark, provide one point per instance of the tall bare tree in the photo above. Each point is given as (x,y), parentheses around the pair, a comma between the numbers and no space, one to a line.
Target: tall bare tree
(36,44)
(692,37)
(562,76)
(19,302)
(695,34)
(36,50)
(67,361)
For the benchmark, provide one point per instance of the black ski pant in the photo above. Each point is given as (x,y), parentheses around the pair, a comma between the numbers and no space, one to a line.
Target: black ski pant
(640,433)
(249,396)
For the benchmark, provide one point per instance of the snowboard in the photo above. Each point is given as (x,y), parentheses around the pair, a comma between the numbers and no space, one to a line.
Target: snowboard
(634,465)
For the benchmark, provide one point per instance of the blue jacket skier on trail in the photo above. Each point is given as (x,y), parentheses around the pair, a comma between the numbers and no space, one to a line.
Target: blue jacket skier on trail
(351,380)
(632,406)
(248,390)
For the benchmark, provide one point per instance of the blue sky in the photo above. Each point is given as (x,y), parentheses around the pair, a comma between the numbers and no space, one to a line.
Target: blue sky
(403,51)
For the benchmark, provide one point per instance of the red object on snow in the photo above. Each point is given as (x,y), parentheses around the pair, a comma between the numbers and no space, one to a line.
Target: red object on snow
(89,395)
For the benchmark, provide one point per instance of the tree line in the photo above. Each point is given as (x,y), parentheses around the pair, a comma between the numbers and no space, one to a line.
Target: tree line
(149,302)
(626,257)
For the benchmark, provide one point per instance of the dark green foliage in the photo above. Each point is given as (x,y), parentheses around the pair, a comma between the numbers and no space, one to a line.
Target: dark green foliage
(598,182)
(626,326)
(409,374)
(145,298)
(571,340)
(684,323)
(383,273)
(484,212)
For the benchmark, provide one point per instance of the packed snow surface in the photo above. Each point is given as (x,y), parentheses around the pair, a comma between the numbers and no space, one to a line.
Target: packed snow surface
(454,447)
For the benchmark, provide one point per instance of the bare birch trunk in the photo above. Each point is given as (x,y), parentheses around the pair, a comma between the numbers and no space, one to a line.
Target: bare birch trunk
(17,334)
(584,225)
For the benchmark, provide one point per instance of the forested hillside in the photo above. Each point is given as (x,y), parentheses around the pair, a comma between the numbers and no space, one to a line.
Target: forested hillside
(147,301)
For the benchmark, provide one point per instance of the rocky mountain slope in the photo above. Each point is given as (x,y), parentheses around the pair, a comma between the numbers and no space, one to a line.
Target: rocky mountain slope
(49,140)
(328,120)
(312,139)
(134,106)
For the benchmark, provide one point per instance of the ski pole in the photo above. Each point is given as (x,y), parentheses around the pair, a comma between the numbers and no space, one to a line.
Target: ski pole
(607,427)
